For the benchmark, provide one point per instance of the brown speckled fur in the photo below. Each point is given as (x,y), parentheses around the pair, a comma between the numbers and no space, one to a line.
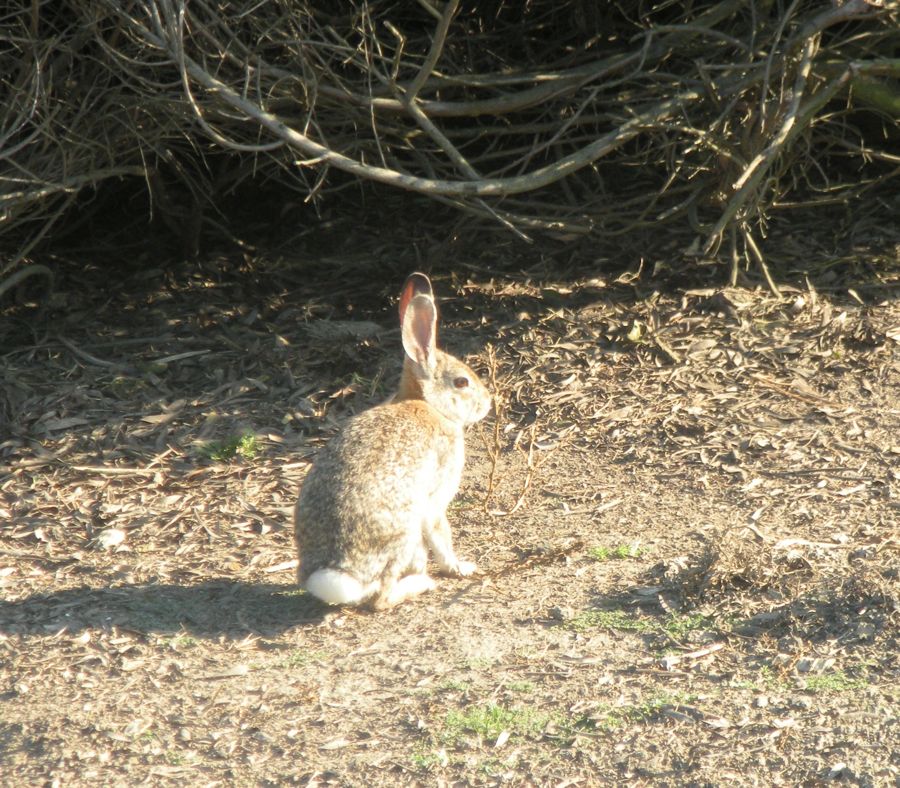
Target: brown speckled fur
(406,449)
(377,494)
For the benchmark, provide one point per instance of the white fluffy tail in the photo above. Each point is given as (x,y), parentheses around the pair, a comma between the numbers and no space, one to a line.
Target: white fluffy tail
(334,587)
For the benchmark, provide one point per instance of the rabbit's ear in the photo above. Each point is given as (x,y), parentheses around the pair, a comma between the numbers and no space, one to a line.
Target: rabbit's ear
(419,331)
(416,284)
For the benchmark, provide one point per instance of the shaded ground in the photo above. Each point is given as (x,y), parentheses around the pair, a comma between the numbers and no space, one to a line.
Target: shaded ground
(690,551)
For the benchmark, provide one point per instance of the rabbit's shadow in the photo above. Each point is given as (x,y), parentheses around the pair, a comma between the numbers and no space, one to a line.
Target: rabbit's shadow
(207,610)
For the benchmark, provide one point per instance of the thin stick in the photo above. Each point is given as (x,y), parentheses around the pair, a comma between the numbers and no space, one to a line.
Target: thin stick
(84,355)
(529,475)
(760,261)
(493,447)
(434,54)
(735,261)
(24,273)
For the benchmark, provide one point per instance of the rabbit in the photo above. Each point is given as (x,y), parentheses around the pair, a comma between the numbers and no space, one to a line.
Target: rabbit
(376,497)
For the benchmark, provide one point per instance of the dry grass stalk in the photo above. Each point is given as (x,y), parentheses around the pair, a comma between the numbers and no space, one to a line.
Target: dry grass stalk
(493,446)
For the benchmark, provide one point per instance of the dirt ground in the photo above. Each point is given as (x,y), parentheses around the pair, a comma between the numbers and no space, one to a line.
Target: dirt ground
(685,514)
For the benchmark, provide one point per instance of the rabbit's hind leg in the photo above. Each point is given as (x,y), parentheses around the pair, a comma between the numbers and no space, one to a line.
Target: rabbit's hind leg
(393,592)
(419,563)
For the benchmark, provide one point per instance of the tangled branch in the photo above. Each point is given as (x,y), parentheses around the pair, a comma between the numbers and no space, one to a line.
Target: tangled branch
(568,116)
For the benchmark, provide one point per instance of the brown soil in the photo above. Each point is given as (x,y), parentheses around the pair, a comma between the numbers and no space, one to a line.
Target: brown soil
(690,553)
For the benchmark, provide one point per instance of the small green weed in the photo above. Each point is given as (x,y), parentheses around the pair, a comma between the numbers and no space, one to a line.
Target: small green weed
(613,717)
(770,679)
(621,551)
(676,626)
(478,663)
(425,760)
(837,681)
(455,685)
(680,626)
(182,642)
(488,722)
(609,619)
(492,767)
(520,686)
(641,712)
(300,659)
(293,592)
(245,446)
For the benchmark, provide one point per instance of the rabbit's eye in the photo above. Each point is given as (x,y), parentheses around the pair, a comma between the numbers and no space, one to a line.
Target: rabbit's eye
(461,382)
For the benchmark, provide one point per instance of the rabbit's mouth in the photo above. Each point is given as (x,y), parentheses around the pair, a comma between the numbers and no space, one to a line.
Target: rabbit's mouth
(483,411)
(473,411)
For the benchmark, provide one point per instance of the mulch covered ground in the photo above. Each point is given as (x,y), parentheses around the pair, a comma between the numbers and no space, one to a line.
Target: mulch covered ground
(686,513)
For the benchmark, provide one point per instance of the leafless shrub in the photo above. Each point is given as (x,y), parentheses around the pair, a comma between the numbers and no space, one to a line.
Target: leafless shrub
(572,118)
